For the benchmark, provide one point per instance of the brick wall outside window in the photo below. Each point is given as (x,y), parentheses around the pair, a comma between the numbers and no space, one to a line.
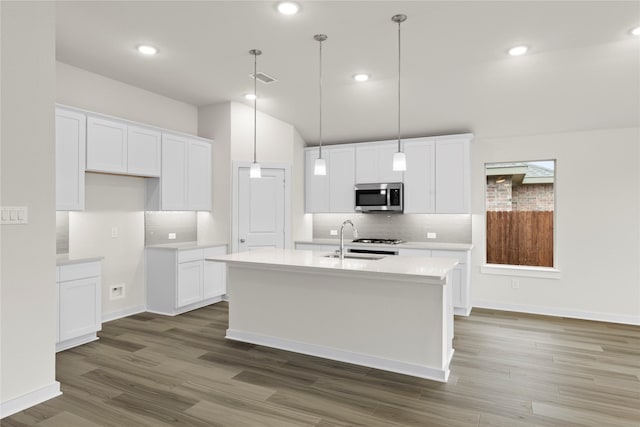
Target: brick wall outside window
(506,197)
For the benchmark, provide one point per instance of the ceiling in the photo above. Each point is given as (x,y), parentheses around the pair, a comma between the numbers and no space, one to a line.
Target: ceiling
(582,71)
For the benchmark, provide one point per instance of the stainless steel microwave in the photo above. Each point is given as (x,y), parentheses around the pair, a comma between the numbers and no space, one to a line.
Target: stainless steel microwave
(383,197)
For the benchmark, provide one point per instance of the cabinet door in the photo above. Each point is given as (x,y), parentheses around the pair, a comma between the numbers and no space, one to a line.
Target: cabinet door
(189,289)
(316,187)
(341,170)
(106,146)
(457,286)
(143,151)
(174,174)
(70,160)
(367,164)
(452,176)
(215,275)
(385,162)
(199,176)
(79,307)
(419,178)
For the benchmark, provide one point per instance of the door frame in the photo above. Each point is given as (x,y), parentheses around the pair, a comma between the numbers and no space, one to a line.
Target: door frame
(235,223)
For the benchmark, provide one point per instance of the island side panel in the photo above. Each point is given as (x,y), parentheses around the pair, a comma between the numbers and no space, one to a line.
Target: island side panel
(399,326)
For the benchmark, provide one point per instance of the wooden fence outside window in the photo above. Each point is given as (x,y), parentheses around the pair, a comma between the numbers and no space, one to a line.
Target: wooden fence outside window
(520,238)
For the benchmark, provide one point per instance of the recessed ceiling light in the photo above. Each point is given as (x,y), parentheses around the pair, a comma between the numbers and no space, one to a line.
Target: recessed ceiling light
(250,96)
(288,8)
(361,77)
(518,50)
(147,50)
(636,31)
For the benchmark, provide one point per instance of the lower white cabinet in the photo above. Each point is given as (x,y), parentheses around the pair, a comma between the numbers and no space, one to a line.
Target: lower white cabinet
(181,280)
(460,275)
(79,292)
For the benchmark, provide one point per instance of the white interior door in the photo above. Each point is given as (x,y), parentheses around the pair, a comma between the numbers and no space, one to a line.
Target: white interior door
(261,209)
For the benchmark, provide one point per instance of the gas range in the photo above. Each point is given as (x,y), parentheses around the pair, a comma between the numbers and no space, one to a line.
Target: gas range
(379,241)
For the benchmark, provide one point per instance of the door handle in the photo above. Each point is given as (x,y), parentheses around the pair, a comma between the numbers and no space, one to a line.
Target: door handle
(242,240)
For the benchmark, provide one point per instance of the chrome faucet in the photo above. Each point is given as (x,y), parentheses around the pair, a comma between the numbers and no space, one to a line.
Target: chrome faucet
(355,236)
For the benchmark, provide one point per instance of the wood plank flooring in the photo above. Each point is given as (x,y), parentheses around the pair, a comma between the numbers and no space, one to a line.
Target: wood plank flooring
(509,369)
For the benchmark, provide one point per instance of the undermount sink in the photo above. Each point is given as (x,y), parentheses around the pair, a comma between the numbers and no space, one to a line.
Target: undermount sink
(356,256)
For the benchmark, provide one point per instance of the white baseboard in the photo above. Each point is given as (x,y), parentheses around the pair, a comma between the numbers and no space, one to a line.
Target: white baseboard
(400,367)
(186,308)
(28,400)
(462,311)
(74,342)
(558,312)
(118,314)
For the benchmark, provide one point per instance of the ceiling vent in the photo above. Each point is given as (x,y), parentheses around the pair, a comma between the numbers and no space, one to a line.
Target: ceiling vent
(264,78)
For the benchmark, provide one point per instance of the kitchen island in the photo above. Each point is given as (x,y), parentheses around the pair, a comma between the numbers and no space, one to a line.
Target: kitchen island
(392,313)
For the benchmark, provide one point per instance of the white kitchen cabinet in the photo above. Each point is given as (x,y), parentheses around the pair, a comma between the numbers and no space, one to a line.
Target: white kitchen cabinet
(414,252)
(181,280)
(106,145)
(333,192)
(460,280)
(79,291)
(185,180)
(419,178)
(143,151)
(374,162)
(316,187)
(70,160)
(453,185)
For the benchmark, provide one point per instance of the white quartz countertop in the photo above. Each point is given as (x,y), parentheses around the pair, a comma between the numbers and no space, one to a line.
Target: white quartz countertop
(187,245)
(400,267)
(406,245)
(65,259)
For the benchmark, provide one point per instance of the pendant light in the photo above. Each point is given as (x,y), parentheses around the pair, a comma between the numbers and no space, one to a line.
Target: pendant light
(399,158)
(255,172)
(320,166)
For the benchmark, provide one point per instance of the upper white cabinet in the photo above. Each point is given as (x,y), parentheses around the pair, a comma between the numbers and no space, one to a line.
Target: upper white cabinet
(116,147)
(374,162)
(143,151)
(106,145)
(185,181)
(70,159)
(453,183)
(333,192)
(419,178)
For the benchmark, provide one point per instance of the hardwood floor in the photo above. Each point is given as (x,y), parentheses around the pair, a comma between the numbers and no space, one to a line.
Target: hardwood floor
(509,370)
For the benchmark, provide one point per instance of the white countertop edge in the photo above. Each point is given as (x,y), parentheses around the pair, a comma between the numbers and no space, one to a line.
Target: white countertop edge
(406,245)
(63,259)
(187,245)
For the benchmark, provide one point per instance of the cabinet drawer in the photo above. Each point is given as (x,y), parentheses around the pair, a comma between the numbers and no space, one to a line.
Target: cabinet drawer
(190,255)
(78,271)
(461,256)
(218,250)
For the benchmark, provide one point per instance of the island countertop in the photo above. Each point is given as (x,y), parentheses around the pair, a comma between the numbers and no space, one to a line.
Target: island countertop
(409,267)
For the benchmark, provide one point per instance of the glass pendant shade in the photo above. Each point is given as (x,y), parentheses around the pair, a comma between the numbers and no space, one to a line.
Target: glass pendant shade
(399,162)
(320,167)
(255,171)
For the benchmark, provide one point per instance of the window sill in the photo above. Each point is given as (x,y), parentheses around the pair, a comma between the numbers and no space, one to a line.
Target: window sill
(521,270)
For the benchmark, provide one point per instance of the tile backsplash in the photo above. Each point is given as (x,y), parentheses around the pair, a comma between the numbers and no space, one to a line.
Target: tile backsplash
(408,227)
(62,232)
(158,225)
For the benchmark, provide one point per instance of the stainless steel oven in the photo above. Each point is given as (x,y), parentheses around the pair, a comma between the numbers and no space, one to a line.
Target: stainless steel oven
(385,197)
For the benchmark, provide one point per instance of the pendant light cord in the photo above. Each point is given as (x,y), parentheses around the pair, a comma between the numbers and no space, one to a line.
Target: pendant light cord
(320,89)
(255,100)
(399,45)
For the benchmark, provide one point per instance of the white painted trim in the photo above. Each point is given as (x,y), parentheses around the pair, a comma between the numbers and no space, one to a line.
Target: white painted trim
(189,307)
(560,312)
(521,271)
(462,311)
(236,165)
(30,399)
(405,368)
(74,342)
(119,314)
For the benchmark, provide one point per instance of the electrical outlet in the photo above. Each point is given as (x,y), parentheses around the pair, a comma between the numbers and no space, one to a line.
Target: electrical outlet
(432,235)
(116,291)
(515,284)
(114,232)
(333,232)
(172,236)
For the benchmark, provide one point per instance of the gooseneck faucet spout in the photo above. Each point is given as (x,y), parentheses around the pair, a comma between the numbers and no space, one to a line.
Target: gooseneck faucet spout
(355,236)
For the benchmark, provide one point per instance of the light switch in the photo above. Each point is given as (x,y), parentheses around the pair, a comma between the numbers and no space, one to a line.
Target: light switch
(14,215)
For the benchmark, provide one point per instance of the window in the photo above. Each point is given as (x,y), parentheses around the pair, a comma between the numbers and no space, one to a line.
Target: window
(520,208)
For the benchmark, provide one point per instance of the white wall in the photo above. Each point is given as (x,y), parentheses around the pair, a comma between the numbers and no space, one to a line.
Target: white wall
(28,252)
(597,225)
(111,200)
